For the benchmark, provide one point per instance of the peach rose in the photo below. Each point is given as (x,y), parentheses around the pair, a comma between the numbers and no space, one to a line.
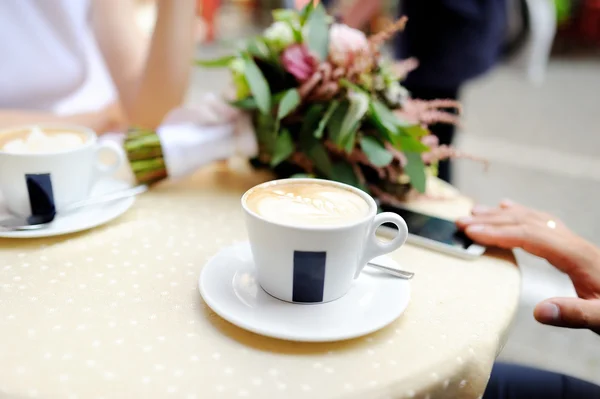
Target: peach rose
(344,43)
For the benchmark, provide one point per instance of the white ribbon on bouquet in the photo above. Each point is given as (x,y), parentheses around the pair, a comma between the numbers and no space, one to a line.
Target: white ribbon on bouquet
(196,135)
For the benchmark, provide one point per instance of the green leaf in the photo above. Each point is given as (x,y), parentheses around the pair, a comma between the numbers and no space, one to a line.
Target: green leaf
(258,85)
(302,176)
(403,123)
(376,152)
(297,32)
(409,144)
(312,118)
(359,104)
(285,15)
(334,127)
(306,12)
(383,117)
(216,63)
(343,172)
(248,103)
(289,102)
(330,110)
(284,147)
(349,85)
(318,32)
(258,48)
(316,152)
(350,140)
(415,169)
(414,130)
(265,131)
(319,156)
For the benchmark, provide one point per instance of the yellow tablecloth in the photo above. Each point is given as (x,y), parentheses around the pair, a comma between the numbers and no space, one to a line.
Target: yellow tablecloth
(115,313)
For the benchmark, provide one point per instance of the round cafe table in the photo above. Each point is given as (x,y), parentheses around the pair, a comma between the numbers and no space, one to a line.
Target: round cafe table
(115,313)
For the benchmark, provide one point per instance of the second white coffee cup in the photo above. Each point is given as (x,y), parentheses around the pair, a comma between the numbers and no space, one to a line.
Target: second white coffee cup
(316,263)
(31,181)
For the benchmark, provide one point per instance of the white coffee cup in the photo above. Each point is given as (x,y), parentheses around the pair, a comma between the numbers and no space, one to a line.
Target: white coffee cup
(315,263)
(29,181)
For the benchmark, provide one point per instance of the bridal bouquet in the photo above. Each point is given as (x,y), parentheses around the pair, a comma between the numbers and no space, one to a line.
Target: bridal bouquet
(325,103)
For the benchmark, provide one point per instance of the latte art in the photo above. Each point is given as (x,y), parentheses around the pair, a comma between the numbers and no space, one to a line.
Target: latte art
(37,141)
(307,204)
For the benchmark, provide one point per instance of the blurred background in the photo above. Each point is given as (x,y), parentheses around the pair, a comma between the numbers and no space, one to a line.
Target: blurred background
(535,117)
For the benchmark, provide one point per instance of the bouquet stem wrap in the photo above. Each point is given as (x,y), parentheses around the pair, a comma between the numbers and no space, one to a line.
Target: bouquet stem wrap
(188,139)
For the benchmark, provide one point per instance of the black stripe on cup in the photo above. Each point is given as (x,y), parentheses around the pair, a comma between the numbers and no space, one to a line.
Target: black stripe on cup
(309,276)
(41,196)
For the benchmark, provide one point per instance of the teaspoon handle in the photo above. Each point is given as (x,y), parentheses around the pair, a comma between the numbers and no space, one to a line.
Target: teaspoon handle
(130,192)
(398,273)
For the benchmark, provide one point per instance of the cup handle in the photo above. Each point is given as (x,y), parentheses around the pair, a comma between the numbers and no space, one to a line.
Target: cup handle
(374,247)
(103,170)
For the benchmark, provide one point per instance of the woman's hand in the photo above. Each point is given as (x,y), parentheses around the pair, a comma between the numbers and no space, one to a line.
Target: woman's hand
(514,226)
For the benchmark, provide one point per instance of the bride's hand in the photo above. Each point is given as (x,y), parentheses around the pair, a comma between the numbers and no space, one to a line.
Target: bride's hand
(514,226)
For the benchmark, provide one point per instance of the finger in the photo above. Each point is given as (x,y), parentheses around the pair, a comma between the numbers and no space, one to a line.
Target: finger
(504,236)
(569,312)
(496,219)
(532,214)
(508,203)
(483,210)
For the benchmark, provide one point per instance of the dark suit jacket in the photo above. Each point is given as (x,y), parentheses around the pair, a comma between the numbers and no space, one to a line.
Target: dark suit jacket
(454,40)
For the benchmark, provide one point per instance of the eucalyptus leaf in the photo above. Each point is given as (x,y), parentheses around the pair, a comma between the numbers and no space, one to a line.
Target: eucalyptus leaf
(375,151)
(330,110)
(284,147)
(258,85)
(317,38)
(216,63)
(289,101)
(415,169)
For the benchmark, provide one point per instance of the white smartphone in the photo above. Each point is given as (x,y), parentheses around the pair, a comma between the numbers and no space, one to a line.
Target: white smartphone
(433,233)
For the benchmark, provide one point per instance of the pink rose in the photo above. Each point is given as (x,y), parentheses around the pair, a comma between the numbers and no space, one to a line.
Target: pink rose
(344,43)
(298,61)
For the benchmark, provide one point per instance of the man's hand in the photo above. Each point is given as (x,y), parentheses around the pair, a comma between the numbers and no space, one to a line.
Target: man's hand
(514,226)
(570,313)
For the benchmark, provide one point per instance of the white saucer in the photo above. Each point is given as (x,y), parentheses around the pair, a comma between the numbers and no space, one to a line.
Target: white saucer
(229,287)
(84,219)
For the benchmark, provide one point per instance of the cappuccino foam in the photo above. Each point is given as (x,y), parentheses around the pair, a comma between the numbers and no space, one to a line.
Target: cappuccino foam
(37,141)
(307,204)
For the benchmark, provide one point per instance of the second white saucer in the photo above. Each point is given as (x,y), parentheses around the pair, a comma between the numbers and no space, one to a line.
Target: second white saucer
(229,287)
(83,219)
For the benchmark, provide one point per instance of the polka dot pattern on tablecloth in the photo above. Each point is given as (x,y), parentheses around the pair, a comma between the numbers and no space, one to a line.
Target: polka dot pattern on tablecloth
(116,313)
